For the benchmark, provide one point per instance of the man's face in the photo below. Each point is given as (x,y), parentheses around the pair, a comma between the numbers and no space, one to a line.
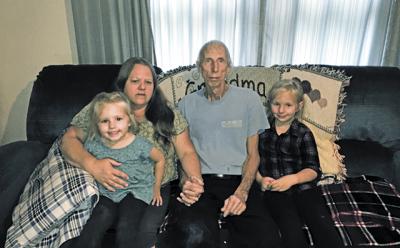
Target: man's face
(214,66)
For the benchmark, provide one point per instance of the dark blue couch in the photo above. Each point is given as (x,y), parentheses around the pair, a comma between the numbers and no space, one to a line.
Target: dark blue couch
(369,138)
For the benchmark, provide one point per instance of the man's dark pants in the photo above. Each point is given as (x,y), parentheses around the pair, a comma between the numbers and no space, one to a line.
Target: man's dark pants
(199,225)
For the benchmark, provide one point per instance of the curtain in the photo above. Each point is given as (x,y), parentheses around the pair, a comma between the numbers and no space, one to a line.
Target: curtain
(268,32)
(110,31)
(391,54)
(257,32)
(336,32)
(181,27)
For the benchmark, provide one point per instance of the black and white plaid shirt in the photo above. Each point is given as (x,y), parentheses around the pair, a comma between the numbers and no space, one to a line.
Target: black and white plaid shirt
(288,153)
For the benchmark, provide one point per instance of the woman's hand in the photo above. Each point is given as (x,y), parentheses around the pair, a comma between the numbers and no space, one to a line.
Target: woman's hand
(104,171)
(192,188)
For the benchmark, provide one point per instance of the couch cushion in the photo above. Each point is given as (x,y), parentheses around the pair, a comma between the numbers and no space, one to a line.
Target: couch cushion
(59,92)
(18,160)
(55,204)
(373,106)
(368,158)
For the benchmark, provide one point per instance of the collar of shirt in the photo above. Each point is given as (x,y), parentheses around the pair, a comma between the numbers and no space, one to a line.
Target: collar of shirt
(294,128)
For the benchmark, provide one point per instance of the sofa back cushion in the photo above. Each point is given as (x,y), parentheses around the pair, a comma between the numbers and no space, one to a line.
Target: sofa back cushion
(373,106)
(370,136)
(59,92)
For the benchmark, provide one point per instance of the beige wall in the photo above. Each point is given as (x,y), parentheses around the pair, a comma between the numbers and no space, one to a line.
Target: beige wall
(33,34)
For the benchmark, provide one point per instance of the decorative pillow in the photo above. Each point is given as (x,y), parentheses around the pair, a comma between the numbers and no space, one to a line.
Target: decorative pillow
(55,204)
(322,113)
(331,161)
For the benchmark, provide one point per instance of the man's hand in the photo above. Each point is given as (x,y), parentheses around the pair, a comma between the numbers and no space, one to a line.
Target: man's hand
(104,172)
(235,204)
(192,188)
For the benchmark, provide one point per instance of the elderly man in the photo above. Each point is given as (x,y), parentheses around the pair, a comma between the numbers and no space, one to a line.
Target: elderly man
(224,124)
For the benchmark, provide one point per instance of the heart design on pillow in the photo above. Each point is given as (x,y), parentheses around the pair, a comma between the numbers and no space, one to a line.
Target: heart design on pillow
(322,102)
(305,84)
(314,95)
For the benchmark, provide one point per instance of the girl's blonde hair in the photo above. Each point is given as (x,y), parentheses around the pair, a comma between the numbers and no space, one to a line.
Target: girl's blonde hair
(291,85)
(97,104)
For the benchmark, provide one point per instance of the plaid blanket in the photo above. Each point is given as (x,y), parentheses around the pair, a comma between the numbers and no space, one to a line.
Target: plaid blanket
(55,204)
(366,211)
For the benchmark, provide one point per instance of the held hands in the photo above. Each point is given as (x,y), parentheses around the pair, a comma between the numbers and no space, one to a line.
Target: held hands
(192,188)
(282,184)
(266,183)
(104,172)
(157,199)
(235,204)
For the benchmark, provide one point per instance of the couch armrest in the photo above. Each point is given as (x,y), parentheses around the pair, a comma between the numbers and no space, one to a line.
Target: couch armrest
(18,159)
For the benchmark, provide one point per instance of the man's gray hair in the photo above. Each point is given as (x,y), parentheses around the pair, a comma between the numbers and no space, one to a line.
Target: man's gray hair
(204,48)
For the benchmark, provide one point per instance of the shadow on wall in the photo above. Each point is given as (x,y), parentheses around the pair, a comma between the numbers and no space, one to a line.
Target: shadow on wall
(15,128)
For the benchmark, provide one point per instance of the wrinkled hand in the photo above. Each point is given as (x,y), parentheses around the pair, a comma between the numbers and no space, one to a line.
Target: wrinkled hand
(192,189)
(284,183)
(266,183)
(157,199)
(104,172)
(235,204)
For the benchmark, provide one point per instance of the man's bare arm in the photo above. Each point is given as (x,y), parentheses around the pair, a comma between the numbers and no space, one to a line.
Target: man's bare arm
(236,203)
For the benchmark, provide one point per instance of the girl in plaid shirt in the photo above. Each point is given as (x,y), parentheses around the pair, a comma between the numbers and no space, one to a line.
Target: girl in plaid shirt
(289,170)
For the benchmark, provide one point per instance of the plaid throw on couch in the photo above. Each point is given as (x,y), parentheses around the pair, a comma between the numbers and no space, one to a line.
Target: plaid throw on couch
(55,204)
(366,211)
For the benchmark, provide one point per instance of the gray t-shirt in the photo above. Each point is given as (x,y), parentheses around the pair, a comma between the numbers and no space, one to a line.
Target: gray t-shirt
(219,129)
(136,162)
